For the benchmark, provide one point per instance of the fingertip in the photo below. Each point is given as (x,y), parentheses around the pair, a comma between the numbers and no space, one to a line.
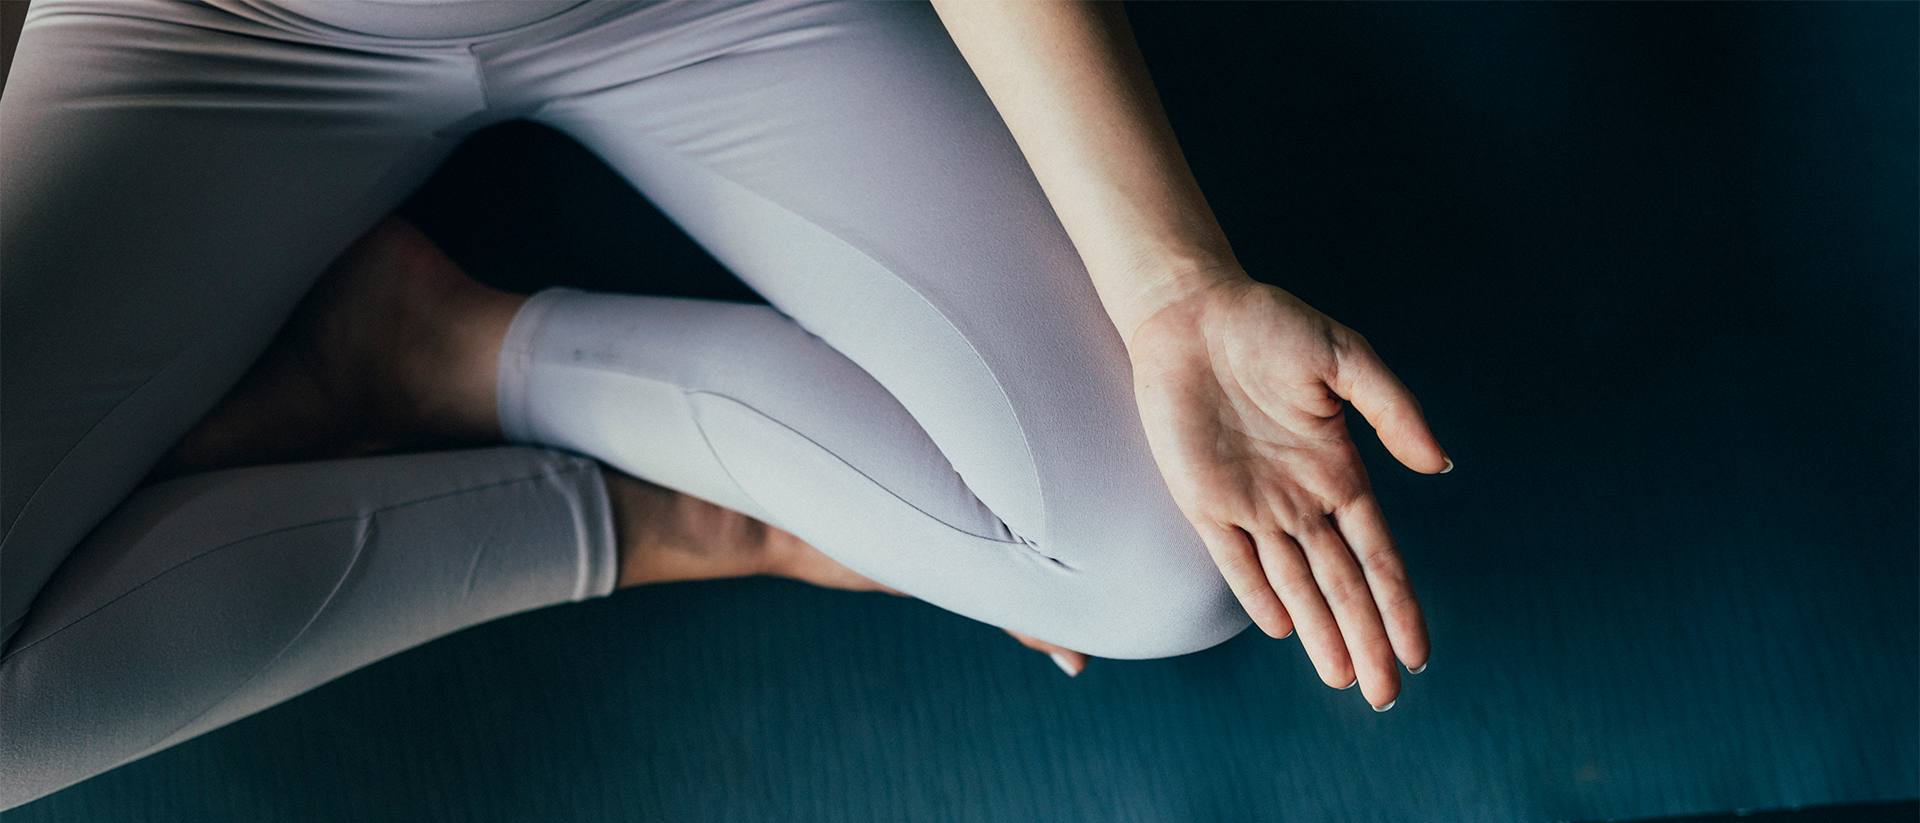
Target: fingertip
(1408,636)
(1264,607)
(1413,444)
(1277,627)
(1340,679)
(1415,647)
(1422,652)
(1432,459)
(1379,680)
(1396,416)
(1379,695)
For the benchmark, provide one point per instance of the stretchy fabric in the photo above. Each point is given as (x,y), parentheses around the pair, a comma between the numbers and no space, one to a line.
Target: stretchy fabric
(935,397)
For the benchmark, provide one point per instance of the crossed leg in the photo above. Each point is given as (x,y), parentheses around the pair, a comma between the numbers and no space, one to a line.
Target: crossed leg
(941,406)
(935,398)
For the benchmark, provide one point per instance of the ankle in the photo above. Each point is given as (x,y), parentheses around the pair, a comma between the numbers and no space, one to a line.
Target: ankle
(449,368)
(447,363)
(665,536)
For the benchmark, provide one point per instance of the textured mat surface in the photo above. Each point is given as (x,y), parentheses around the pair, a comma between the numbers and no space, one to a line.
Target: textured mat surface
(1651,269)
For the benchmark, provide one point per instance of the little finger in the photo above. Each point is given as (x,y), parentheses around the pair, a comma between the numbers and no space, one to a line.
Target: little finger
(1233,551)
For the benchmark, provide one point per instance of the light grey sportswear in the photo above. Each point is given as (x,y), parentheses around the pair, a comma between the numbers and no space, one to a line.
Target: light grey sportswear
(935,397)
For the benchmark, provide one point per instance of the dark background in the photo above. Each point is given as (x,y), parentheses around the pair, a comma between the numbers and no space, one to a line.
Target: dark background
(1653,271)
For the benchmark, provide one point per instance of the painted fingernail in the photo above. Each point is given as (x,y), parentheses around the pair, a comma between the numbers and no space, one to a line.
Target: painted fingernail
(1423,667)
(1449,466)
(1356,682)
(1064,664)
(1388,706)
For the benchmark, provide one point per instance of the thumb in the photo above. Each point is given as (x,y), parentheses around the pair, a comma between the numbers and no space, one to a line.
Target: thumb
(1387,405)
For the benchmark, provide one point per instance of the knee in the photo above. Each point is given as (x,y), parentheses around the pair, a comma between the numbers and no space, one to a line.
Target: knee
(1162,606)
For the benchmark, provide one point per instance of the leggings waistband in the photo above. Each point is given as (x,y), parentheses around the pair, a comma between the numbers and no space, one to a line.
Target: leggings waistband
(413,19)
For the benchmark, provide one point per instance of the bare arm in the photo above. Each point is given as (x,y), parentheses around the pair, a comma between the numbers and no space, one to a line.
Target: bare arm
(1070,84)
(1242,388)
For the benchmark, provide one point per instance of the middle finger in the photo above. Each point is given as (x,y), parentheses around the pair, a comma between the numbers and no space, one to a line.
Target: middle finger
(1348,596)
(1287,570)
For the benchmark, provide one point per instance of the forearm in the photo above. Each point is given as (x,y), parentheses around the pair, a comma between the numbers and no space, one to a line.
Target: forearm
(1068,80)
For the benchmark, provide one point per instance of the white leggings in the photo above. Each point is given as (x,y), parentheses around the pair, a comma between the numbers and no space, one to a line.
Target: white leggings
(935,399)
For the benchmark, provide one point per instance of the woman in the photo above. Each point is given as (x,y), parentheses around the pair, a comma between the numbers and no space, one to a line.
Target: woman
(971,268)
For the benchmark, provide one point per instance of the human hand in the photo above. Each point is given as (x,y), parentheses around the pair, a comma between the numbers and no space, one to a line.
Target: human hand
(1240,386)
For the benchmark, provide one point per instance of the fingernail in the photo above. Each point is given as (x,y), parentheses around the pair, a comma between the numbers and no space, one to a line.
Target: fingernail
(1064,664)
(1287,635)
(1423,667)
(1356,682)
(1388,706)
(1449,466)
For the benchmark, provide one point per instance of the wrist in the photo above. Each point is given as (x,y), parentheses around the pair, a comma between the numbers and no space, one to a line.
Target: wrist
(1136,292)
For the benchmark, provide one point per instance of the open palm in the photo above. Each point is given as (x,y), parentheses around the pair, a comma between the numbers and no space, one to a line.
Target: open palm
(1242,390)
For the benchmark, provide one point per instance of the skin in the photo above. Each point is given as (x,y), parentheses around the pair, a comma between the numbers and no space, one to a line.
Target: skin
(1241,386)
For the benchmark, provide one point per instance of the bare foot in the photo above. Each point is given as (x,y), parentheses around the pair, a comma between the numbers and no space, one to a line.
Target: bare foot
(665,536)
(395,347)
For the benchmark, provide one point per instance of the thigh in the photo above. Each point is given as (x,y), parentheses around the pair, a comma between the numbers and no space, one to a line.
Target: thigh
(208,598)
(172,178)
(842,160)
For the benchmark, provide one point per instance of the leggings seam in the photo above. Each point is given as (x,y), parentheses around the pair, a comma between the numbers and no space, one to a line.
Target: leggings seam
(187,352)
(480,78)
(856,470)
(359,548)
(232,543)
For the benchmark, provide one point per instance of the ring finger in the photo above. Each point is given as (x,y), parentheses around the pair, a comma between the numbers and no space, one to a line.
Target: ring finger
(1351,600)
(1292,579)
